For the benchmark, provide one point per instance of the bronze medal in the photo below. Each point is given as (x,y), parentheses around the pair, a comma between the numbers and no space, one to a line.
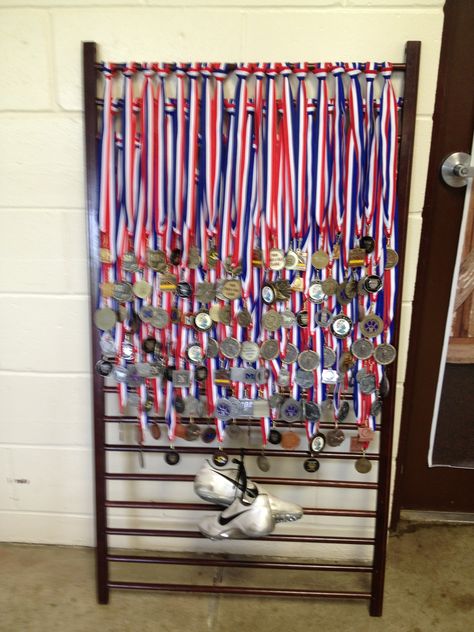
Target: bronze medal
(244,318)
(329,286)
(289,440)
(155,430)
(363,465)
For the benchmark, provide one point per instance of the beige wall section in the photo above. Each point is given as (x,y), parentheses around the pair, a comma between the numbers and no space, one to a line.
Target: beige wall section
(45,433)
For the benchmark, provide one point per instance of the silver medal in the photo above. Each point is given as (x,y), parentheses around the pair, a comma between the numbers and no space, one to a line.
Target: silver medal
(323,318)
(341,326)
(290,354)
(308,360)
(288,318)
(305,379)
(283,378)
(194,353)
(272,320)
(270,349)
(212,348)
(146,313)
(367,384)
(329,357)
(385,353)
(223,410)
(316,293)
(230,347)
(362,348)
(160,318)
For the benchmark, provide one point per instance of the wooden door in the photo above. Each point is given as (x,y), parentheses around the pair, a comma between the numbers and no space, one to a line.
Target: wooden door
(418,486)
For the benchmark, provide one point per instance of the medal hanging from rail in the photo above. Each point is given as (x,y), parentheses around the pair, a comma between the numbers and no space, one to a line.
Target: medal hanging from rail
(248,251)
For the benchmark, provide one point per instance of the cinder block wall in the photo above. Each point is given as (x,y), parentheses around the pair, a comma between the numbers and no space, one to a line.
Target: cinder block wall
(46,482)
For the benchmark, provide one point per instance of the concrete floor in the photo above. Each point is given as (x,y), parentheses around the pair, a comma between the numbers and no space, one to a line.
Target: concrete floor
(429,587)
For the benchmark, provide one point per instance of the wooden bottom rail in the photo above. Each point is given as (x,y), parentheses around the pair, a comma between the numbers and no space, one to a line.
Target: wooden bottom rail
(279,537)
(117,447)
(308,511)
(265,480)
(209,561)
(240,590)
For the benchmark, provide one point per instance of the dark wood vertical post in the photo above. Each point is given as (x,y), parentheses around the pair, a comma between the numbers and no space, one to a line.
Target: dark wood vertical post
(92,197)
(386,434)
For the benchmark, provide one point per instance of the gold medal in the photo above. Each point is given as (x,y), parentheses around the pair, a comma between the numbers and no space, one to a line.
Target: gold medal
(232,289)
(320,259)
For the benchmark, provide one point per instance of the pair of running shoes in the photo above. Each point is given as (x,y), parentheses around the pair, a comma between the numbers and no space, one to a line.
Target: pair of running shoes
(251,512)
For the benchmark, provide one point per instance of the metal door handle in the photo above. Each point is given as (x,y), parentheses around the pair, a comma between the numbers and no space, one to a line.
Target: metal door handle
(456,169)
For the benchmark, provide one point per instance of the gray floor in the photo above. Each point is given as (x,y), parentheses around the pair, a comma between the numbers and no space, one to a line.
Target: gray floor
(429,587)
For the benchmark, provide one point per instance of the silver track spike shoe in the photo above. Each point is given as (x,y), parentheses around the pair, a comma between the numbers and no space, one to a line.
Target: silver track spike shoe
(221,485)
(242,519)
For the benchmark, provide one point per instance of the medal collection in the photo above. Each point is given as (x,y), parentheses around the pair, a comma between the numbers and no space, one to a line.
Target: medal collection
(248,257)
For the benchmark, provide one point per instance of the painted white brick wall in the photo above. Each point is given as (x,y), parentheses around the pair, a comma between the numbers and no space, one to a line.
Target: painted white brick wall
(46,484)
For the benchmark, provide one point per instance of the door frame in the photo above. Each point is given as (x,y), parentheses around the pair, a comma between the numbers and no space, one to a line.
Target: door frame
(453,126)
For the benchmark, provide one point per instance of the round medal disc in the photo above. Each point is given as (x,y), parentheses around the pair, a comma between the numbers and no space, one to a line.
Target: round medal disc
(122,292)
(119,373)
(149,345)
(367,384)
(146,313)
(283,377)
(194,353)
(362,348)
(363,465)
(200,374)
(291,260)
(127,350)
(233,431)
(341,326)
(371,326)
(232,289)
(391,258)
(230,347)
(316,293)
(290,354)
(104,368)
(212,348)
(105,318)
(302,318)
(155,430)
(192,432)
(268,294)
(373,283)
(208,435)
(317,442)
(290,440)
(323,318)
(320,259)
(142,289)
(244,318)
(329,357)
(367,243)
(270,349)
(305,379)
(202,321)
(172,458)
(329,286)
(263,463)
(225,314)
(249,351)
(288,319)
(160,318)
(272,320)
(311,465)
(308,360)
(220,459)
(276,400)
(274,437)
(129,262)
(179,405)
(215,312)
(385,353)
